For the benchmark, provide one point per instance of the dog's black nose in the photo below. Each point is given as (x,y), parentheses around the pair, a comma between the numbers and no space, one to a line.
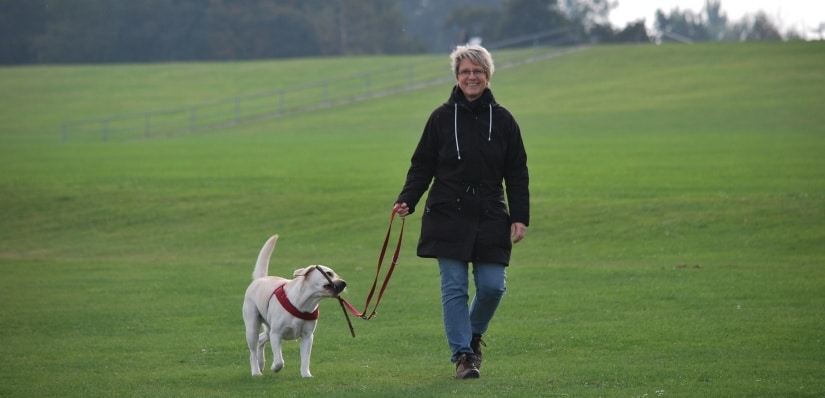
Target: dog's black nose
(340,285)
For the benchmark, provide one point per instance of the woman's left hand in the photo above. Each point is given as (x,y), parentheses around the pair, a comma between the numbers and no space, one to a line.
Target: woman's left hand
(517,231)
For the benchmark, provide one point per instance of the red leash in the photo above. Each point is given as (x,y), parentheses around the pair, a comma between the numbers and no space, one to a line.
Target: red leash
(363,315)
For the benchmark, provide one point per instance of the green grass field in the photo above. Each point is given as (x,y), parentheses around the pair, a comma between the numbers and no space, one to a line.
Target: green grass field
(676,248)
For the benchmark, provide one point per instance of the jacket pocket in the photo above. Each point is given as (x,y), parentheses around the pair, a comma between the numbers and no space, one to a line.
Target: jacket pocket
(442,220)
(495,230)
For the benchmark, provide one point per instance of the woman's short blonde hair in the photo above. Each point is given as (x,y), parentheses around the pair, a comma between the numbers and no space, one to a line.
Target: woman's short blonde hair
(476,54)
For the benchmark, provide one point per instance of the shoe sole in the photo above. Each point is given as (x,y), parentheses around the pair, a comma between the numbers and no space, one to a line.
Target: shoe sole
(470,375)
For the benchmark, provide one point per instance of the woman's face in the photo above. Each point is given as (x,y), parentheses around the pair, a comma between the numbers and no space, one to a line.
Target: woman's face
(471,78)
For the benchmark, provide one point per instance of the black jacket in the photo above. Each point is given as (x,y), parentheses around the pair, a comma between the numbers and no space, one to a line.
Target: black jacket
(467,150)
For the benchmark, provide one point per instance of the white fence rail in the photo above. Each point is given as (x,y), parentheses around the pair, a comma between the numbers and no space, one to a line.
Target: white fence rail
(275,103)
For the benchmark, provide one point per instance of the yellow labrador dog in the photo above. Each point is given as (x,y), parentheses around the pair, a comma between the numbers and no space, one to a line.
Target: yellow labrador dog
(286,308)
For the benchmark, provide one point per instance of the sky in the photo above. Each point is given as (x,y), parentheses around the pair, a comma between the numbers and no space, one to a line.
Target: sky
(801,15)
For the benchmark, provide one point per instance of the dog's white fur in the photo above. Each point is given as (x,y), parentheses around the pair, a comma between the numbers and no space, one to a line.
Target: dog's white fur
(262,308)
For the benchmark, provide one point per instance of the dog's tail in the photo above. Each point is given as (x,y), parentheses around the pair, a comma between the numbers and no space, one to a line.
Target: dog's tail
(262,266)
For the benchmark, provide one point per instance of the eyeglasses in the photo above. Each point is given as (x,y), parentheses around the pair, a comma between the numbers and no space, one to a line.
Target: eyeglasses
(468,72)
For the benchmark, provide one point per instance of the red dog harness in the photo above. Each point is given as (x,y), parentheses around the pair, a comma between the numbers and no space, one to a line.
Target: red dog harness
(280,294)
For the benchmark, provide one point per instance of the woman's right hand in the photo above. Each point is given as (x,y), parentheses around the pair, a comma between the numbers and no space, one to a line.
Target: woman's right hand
(402,209)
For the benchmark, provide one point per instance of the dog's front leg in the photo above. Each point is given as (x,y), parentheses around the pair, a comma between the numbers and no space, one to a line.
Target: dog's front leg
(277,355)
(306,352)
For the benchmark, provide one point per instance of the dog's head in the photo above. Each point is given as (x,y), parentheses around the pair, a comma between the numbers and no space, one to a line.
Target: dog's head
(323,279)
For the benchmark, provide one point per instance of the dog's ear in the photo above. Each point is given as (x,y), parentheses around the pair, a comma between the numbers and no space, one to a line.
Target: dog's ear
(300,272)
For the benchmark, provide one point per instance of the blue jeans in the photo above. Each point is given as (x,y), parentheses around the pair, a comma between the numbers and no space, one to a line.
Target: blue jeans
(460,320)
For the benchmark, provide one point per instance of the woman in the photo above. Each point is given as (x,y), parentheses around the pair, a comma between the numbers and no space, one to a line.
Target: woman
(472,152)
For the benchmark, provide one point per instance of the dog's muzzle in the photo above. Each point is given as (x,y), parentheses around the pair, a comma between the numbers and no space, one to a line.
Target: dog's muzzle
(336,287)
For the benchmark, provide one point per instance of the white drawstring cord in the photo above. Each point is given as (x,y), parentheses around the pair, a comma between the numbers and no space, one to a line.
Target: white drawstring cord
(455,129)
(490,132)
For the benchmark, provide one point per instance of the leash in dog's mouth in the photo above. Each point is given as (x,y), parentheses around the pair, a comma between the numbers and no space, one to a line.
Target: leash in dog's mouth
(331,286)
(335,288)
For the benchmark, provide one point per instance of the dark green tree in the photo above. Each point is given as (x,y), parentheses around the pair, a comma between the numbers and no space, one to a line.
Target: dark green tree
(474,22)
(524,17)
(20,22)
(717,20)
(427,21)
(347,27)
(633,32)
(682,25)
(258,30)
(756,28)
(587,13)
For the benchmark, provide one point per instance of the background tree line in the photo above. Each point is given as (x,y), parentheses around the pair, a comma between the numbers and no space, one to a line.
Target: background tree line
(94,31)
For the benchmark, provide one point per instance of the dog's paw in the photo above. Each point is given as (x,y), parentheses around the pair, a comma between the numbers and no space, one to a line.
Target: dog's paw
(276,367)
(306,375)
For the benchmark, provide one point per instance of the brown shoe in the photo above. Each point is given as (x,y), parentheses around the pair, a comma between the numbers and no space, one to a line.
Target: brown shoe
(465,367)
(476,344)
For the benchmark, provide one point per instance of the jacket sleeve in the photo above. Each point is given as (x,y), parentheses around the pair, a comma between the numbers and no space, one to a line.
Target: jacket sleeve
(517,178)
(422,165)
